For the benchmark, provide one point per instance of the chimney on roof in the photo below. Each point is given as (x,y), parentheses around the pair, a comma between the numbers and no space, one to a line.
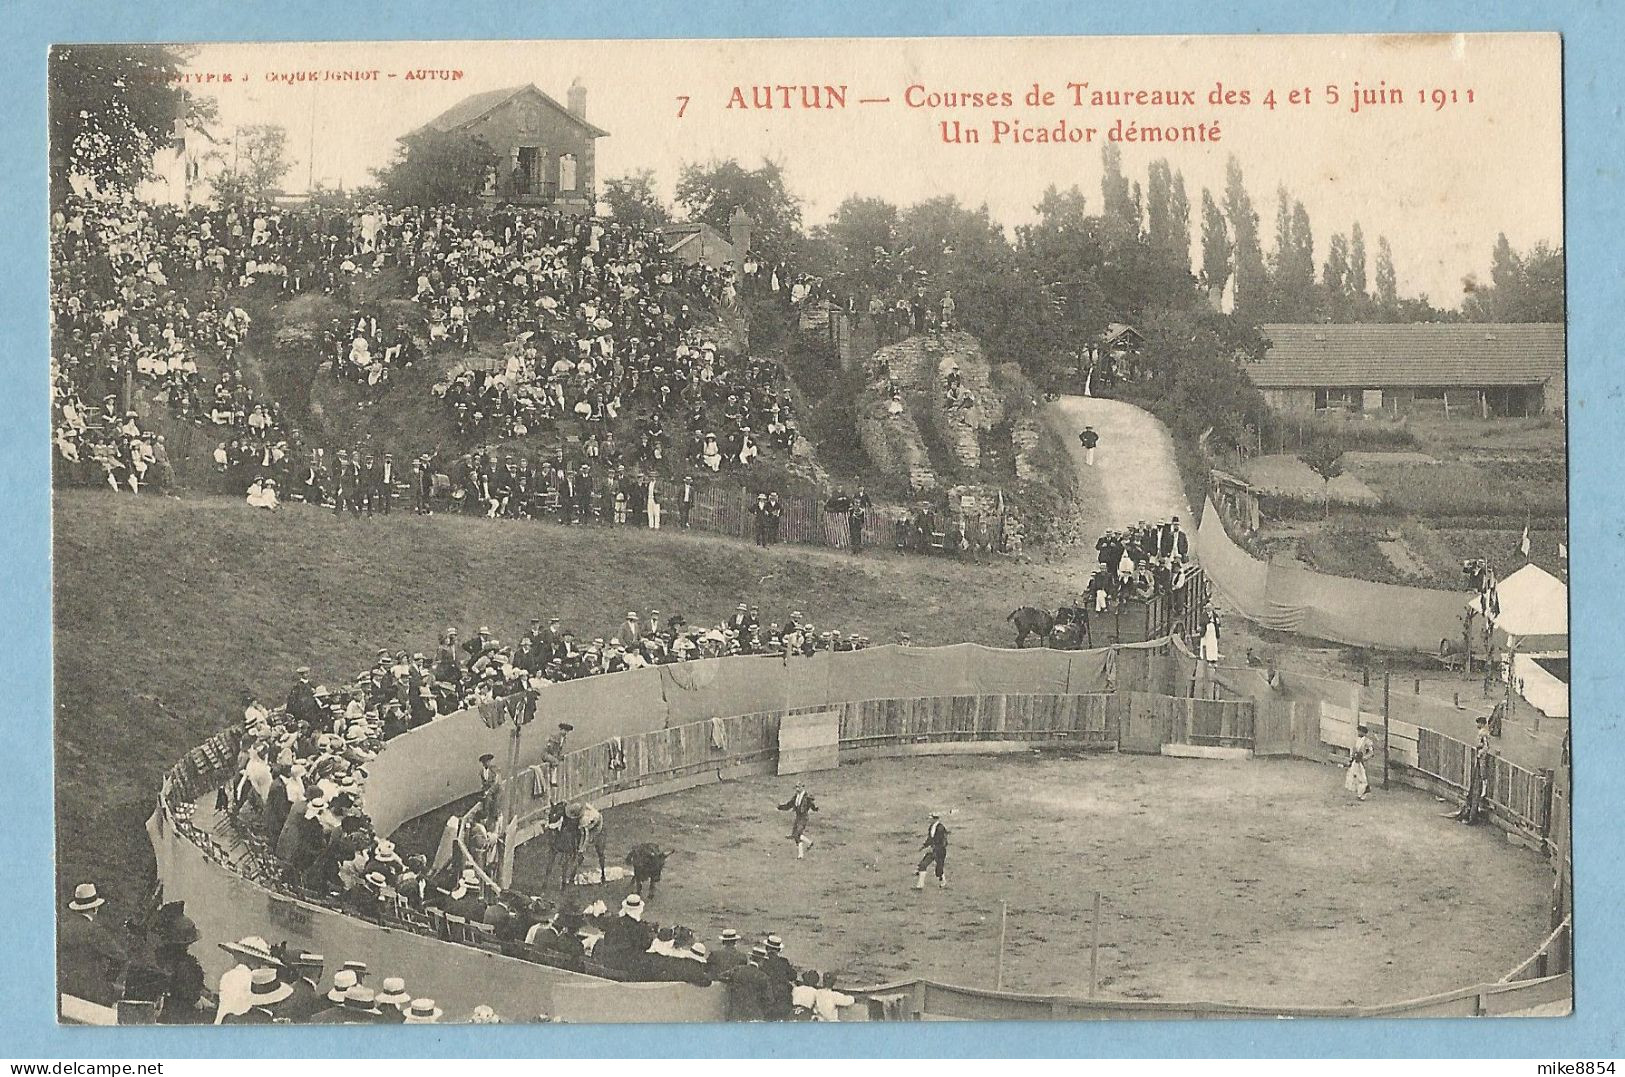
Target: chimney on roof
(578,99)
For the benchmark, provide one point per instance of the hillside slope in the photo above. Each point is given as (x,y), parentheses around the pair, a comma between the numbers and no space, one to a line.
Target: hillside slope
(167,610)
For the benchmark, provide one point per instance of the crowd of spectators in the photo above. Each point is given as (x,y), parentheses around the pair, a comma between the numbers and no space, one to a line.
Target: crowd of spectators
(141,311)
(910,313)
(1140,562)
(147,970)
(296,786)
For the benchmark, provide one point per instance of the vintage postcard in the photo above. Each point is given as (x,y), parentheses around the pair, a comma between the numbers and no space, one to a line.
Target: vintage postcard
(810,530)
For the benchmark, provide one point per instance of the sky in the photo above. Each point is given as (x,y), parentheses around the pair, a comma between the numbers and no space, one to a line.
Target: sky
(1438,174)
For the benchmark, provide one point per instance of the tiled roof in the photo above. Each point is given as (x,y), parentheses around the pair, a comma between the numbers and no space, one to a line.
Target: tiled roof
(1377,355)
(472,108)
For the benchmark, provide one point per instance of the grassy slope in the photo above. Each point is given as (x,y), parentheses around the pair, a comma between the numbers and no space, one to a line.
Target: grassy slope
(166,610)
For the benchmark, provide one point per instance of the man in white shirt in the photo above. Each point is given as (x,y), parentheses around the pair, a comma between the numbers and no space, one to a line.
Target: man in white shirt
(828,1001)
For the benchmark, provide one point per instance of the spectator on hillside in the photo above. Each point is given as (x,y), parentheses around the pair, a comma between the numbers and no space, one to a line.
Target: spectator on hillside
(91,958)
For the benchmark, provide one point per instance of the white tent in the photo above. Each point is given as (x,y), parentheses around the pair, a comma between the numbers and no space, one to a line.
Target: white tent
(1545,692)
(1534,611)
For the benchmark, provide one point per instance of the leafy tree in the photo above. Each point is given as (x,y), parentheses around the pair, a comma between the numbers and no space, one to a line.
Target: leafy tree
(1202,354)
(1387,280)
(1159,206)
(632,199)
(1118,211)
(259,161)
(864,249)
(1252,279)
(1216,247)
(1334,275)
(1356,274)
(1324,459)
(438,168)
(1179,219)
(1523,288)
(110,107)
(712,192)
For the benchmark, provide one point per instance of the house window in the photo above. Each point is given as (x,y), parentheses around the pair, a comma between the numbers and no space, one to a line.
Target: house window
(567,172)
(1338,399)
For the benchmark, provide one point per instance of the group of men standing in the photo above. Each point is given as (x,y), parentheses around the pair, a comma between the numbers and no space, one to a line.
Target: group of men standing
(360,484)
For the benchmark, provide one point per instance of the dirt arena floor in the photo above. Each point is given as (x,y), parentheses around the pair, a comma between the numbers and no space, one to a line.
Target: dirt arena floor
(1247,881)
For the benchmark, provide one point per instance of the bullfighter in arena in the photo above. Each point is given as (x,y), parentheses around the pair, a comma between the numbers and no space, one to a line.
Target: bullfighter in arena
(1355,780)
(800,802)
(936,853)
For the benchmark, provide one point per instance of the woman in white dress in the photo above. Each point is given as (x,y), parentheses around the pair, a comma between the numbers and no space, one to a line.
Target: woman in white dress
(1354,780)
(1210,637)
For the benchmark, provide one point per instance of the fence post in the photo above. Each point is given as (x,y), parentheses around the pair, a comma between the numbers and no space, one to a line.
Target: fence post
(1387,724)
(1094,950)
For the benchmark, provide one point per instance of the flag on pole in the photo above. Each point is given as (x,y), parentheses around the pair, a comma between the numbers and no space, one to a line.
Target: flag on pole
(1523,543)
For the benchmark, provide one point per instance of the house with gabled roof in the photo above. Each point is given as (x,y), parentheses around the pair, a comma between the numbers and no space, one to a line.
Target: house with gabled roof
(545,149)
(1465,369)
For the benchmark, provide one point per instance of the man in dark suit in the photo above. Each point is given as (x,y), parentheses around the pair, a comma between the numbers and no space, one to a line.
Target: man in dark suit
(781,978)
(550,639)
(302,702)
(685,500)
(368,485)
(351,483)
(90,960)
(384,487)
(749,989)
(1088,439)
(303,973)
(726,956)
(936,853)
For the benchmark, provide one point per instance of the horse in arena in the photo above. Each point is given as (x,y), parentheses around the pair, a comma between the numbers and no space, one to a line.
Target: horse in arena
(568,843)
(1031,621)
(647,861)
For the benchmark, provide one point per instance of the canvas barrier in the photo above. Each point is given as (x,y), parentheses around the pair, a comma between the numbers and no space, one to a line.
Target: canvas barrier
(914,1000)
(227,907)
(434,764)
(1286,597)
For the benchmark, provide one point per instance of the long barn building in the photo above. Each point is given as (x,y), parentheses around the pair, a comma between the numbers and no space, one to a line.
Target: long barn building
(1450,368)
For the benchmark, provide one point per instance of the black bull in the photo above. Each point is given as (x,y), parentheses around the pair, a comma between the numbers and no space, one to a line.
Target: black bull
(647,861)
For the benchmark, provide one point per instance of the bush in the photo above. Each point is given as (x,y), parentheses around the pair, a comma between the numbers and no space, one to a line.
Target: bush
(1291,433)
(1463,489)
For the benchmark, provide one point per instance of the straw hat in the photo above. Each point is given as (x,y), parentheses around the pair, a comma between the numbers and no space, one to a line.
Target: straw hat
(394,992)
(423,1011)
(251,948)
(264,989)
(85,898)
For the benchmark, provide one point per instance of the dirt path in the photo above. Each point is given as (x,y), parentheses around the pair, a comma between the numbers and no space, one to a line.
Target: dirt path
(1256,882)
(1138,477)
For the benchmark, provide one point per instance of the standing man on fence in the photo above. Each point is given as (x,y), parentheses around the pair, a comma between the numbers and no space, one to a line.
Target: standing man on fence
(1364,748)
(936,853)
(800,802)
(552,757)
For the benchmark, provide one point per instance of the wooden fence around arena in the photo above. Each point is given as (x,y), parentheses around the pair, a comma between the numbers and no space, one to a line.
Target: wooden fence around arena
(655,760)
(227,870)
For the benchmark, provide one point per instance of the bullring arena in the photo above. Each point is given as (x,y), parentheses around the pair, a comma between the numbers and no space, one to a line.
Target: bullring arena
(1236,876)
